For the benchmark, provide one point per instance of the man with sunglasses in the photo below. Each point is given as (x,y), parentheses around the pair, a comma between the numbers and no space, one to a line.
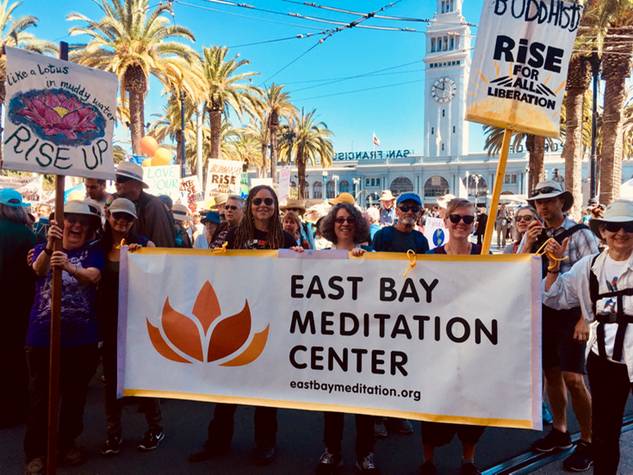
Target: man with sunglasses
(154,220)
(565,332)
(401,237)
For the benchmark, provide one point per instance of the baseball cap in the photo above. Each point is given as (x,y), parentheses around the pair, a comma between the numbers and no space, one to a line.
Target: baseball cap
(409,197)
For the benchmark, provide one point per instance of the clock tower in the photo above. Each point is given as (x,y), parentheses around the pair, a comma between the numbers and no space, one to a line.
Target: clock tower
(447,65)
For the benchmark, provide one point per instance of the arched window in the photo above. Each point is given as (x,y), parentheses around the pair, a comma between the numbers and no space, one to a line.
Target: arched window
(306,190)
(477,185)
(330,190)
(401,185)
(436,186)
(317,192)
(343,186)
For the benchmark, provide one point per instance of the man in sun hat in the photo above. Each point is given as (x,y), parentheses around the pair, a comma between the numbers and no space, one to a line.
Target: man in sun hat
(154,221)
(565,332)
(307,230)
(601,285)
(387,211)
(181,219)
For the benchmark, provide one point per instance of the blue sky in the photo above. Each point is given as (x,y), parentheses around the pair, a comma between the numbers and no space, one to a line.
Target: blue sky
(391,103)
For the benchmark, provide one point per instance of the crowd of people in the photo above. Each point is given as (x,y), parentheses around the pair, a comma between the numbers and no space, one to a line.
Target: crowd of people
(586,304)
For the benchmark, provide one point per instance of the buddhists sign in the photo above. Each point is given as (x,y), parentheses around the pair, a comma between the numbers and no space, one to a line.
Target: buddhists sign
(324,331)
(59,117)
(517,79)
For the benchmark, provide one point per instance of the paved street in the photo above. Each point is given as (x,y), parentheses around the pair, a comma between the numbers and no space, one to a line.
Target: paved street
(299,444)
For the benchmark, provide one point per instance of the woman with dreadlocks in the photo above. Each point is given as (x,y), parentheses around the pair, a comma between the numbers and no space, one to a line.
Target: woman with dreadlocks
(260,229)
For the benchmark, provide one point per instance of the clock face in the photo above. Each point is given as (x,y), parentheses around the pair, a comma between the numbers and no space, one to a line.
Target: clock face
(443,90)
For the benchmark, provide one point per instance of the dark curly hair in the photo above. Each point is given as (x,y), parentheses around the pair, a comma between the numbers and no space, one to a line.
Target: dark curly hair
(361,230)
(246,230)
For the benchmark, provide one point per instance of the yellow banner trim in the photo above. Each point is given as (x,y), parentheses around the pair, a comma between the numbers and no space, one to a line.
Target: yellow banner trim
(480,421)
(390,256)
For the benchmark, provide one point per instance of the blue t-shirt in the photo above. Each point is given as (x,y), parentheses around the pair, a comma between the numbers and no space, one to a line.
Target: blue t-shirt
(389,239)
(78,317)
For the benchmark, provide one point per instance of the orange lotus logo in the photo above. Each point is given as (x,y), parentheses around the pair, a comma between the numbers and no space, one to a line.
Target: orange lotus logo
(192,336)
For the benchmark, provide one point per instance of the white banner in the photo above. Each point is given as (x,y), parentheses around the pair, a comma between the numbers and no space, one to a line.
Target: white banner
(163,180)
(223,176)
(518,75)
(59,116)
(456,340)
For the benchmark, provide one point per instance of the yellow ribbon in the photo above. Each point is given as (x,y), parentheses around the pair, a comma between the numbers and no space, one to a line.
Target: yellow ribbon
(121,244)
(541,250)
(221,249)
(412,262)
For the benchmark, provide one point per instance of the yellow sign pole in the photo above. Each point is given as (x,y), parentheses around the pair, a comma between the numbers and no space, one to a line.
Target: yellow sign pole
(496,191)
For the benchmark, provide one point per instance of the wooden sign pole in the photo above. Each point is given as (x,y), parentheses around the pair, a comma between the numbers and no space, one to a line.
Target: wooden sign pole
(496,191)
(55,337)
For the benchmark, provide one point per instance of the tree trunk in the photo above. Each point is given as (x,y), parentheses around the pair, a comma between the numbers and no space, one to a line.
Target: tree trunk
(199,146)
(616,68)
(536,147)
(136,86)
(577,83)
(273,127)
(301,173)
(215,120)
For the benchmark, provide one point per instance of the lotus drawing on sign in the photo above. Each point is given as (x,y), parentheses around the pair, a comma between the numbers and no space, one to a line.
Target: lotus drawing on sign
(189,335)
(58,116)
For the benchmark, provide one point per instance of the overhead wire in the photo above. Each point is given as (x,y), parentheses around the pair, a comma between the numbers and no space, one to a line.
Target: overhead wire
(341,77)
(299,36)
(358,90)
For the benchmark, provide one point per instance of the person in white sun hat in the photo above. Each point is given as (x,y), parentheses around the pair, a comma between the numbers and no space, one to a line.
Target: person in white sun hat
(387,209)
(602,285)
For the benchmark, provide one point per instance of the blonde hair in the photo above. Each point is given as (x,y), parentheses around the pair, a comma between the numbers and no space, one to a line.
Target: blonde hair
(456,203)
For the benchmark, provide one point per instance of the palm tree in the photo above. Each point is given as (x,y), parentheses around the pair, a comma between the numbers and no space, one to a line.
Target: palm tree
(131,40)
(226,90)
(14,34)
(258,133)
(306,140)
(617,61)
(276,106)
(534,144)
(245,148)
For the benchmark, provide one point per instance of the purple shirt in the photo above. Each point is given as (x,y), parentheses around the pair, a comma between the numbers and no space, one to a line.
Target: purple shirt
(78,316)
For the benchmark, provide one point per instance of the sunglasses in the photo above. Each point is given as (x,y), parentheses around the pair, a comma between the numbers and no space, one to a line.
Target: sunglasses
(266,201)
(231,207)
(73,219)
(546,190)
(348,219)
(527,218)
(123,216)
(615,227)
(406,209)
(456,218)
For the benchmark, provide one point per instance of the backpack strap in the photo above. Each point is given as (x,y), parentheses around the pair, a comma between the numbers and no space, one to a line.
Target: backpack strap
(594,292)
(568,232)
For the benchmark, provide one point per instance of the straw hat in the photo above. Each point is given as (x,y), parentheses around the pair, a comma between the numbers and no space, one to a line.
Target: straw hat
(180,212)
(132,171)
(386,195)
(620,211)
(294,204)
(551,189)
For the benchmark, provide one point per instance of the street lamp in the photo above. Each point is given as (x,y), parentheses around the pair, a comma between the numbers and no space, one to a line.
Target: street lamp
(476,178)
(335,178)
(594,60)
(324,175)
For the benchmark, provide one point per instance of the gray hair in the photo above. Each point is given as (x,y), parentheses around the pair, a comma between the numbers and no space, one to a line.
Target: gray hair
(15,214)
(237,198)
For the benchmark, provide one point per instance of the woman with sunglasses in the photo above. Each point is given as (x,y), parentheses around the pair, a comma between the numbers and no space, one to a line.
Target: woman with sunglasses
(81,264)
(259,229)
(459,221)
(120,218)
(602,285)
(346,228)
(523,216)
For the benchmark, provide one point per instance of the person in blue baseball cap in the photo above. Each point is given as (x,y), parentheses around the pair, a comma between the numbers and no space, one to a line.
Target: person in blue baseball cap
(402,236)
(211,222)
(12,198)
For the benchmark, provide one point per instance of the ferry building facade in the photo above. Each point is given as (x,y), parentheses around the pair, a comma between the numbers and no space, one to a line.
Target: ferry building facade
(445,164)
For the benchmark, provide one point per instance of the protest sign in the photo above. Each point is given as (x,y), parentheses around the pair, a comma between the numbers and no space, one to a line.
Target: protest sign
(344,334)
(190,192)
(283,189)
(435,232)
(59,117)
(223,176)
(163,180)
(518,75)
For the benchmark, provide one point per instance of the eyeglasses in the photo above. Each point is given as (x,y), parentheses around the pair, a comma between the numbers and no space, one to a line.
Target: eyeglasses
(615,227)
(73,219)
(406,209)
(123,216)
(456,218)
(266,201)
(545,190)
(231,207)
(348,219)
(527,218)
